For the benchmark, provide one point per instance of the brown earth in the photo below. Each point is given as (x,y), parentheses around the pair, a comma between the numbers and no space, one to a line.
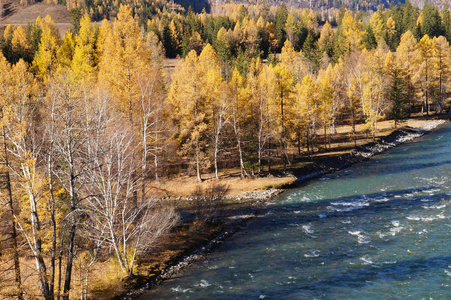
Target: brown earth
(19,15)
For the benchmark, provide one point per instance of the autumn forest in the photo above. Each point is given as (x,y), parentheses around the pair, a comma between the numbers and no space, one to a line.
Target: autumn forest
(90,119)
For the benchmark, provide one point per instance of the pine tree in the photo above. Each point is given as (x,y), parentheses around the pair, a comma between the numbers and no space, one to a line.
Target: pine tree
(397,90)
(279,22)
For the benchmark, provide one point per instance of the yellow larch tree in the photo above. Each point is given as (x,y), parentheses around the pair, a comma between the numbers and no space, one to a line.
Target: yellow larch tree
(238,102)
(283,99)
(21,45)
(190,112)
(123,57)
(372,82)
(378,26)
(441,53)
(407,64)
(424,58)
(326,95)
(294,61)
(20,115)
(326,40)
(391,30)
(45,60)
(11,198)
(352,32)
(84,54)
(307,110)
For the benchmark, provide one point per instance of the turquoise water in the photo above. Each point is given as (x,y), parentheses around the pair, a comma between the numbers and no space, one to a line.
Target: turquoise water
(378,230)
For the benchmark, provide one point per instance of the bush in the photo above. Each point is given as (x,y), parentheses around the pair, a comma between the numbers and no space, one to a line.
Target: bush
(208,203)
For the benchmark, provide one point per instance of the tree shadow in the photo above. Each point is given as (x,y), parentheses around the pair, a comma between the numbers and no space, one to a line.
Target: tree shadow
(7,10)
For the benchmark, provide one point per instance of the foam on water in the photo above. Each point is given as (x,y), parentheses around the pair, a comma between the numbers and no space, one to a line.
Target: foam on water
(434,206)
(425,219)
(203,283)
(179,289)
(308,229)
(312,253)
(366,260)
(347,206)
(361,239)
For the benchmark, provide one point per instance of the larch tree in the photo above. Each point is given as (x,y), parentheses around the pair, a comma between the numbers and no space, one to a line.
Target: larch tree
(11,203)
(257,88)
(189,112)
(283,99)
(353,82)
(352,33)
(326,97)
(123,56)
(372,82)
(406,62)
(326,40)
(238,103)
(441,70)
(294,61)
(307,109)
(266,122)
(424,55)
(378,26)
(45,60)
(21,45)
(391,32)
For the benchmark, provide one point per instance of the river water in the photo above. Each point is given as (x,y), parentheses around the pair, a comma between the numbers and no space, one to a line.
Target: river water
(378,230)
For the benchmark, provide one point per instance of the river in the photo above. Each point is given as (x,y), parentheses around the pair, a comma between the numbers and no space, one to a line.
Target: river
(378,230)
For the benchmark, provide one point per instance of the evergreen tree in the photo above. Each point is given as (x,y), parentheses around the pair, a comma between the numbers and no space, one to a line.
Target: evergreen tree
(431,23)
(369,39)
(279,22)
(310,51)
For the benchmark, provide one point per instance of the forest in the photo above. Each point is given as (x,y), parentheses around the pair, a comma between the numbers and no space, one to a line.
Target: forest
(91,119)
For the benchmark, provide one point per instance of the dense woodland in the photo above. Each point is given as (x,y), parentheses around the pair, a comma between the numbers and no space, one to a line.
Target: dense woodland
(89,120)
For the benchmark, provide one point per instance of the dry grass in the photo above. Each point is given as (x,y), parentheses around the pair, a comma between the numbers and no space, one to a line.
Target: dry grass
(185,186)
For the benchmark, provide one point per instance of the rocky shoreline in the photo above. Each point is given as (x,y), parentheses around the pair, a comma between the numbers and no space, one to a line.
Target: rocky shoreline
(320,167)
(327,165)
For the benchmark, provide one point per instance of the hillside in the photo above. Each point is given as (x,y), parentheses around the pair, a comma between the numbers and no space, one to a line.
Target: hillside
(16,14)
(350,4)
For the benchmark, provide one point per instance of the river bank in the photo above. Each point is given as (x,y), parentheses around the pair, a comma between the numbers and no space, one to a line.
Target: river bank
(375,230)
(255,201)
